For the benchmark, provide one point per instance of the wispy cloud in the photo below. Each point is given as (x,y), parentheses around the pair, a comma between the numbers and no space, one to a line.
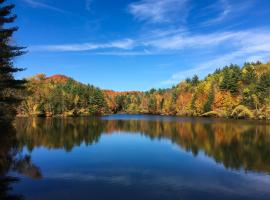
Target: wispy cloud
(249,46)
(127,53)
(159,11)
(183,41)
(224,8)
(119,44)
(243,43)
(162,43)
(39,4)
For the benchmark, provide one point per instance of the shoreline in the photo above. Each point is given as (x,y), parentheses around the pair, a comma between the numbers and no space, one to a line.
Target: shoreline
(141,114)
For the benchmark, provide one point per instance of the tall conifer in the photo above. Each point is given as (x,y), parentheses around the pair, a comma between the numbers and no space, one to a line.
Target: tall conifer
(8,51)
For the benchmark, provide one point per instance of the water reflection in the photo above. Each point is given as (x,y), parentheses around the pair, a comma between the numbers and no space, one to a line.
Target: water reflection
(235,144)
(12,160)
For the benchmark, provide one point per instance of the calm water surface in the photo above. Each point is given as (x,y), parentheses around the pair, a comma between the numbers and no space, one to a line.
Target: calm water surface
(141,157)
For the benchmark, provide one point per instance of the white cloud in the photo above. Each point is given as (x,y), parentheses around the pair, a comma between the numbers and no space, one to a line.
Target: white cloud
(126,53)
(224,8)
(38,4)
(159,11)
(250,46)
(183,41)
(120,44)
(241,44)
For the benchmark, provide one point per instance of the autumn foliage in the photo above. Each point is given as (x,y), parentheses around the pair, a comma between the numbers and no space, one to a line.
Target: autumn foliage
(233,91)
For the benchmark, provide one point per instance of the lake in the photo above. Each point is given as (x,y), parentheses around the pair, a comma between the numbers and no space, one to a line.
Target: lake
(141,157)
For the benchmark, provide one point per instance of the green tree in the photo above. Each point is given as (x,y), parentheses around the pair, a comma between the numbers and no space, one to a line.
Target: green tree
(263,87)
(120,102)
(226,79)
(195,80)
(152,91)
(188,80)
(97,103)
(248,98)
(249,76)
(8,51)
(152,105)
(231,76)
(208,105)
(235,77)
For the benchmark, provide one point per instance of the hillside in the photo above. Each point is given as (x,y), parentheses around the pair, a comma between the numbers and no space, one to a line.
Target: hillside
(59,95)
(233,91)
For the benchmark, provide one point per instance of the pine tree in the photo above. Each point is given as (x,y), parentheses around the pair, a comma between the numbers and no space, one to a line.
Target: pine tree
(233,83)
(211,97)
(249,76)
(195,80)
(226,79)
(8,51)
(231,76)
(263,87)
(188,80)
(236,76)
(97,103)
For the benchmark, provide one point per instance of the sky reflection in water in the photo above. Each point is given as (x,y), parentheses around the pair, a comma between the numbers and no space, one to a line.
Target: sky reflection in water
(151,157)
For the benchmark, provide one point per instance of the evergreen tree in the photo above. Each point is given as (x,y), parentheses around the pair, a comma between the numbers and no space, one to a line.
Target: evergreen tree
(97,103)
(195,80)
(235,77)
(248,98)
(226,79)
(249,76)
(217,71)
(208,105)
(263,87)
(120,102)
(188,80)
(152,91)
(8,51)
(233,83)
(174,95)
(231,76)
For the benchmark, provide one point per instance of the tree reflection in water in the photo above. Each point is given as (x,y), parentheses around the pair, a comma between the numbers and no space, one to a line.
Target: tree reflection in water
(235,144)
(10,160)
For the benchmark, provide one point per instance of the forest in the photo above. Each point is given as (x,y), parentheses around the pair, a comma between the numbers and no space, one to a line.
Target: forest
(230,92)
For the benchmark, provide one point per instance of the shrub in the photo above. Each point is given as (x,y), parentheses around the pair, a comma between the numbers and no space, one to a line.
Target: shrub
(242,112)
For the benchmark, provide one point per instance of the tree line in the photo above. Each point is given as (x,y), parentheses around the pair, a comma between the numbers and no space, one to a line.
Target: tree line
(232,91)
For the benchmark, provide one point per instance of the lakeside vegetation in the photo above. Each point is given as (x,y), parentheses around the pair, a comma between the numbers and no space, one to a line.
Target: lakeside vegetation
(231,92)
(60,95)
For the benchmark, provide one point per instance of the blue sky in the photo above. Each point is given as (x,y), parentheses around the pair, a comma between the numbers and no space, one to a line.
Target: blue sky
(139,44)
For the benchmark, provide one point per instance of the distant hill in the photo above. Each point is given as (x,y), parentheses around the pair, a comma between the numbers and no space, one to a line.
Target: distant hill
(58,78)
